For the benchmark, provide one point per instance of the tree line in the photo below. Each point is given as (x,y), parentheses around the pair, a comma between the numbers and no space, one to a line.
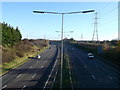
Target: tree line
(9,35)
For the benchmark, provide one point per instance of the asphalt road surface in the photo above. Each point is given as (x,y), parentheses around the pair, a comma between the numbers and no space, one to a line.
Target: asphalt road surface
(34,73)
(91,73)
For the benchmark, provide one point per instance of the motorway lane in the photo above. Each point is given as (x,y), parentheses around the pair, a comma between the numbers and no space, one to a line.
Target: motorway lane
(29,74)
(91,73)
(44,80)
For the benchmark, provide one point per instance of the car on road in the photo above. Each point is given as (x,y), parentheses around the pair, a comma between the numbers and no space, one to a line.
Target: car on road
(90,55)
(38,56)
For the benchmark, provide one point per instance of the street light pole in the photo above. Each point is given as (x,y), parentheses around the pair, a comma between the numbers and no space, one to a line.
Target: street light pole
(62,33)
(61,50)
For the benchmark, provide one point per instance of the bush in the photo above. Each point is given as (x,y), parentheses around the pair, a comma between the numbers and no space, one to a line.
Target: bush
(20,49)
(8,56)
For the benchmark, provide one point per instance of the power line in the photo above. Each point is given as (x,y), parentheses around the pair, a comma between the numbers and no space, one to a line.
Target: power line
(104,7)
(113,10)
(110,21)
(95,27)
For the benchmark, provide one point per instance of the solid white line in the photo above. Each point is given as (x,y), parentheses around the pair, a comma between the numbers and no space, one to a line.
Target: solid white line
(30,67)
(19,75)
(93,76)
(4,86)
(33,75)
(42,67)
(50,75)
(110,77)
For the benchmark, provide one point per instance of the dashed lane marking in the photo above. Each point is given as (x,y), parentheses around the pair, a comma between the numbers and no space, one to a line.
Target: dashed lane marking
(93,76)
(42,67)
(4,86)
(110,77)
(55,73)
(19,75)
(33,75)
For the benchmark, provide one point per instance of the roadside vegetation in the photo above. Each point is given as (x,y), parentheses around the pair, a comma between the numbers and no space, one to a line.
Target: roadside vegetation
(16,51)
(66,82)
(10,35)
(110,50)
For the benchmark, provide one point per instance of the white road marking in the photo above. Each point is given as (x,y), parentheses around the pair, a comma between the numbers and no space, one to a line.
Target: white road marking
(50,75)
(70,75)
(4,86)
(23,87)
(85,66)
(110,77)
(69,72)
(55,73)
(54,80)
(19,75)
(33,75)
(42,67)
(30,67)
(93,76)
(55,77)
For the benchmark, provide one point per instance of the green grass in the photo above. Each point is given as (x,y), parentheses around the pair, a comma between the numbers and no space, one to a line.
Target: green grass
(66,76)
(66,83)
(18,61)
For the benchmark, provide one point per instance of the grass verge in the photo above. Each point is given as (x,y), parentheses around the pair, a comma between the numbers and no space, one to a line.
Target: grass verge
(66,82)
(18,61)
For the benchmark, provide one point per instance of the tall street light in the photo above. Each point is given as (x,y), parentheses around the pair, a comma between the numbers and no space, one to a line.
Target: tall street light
(68,32)
(65,32)
(62,14)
